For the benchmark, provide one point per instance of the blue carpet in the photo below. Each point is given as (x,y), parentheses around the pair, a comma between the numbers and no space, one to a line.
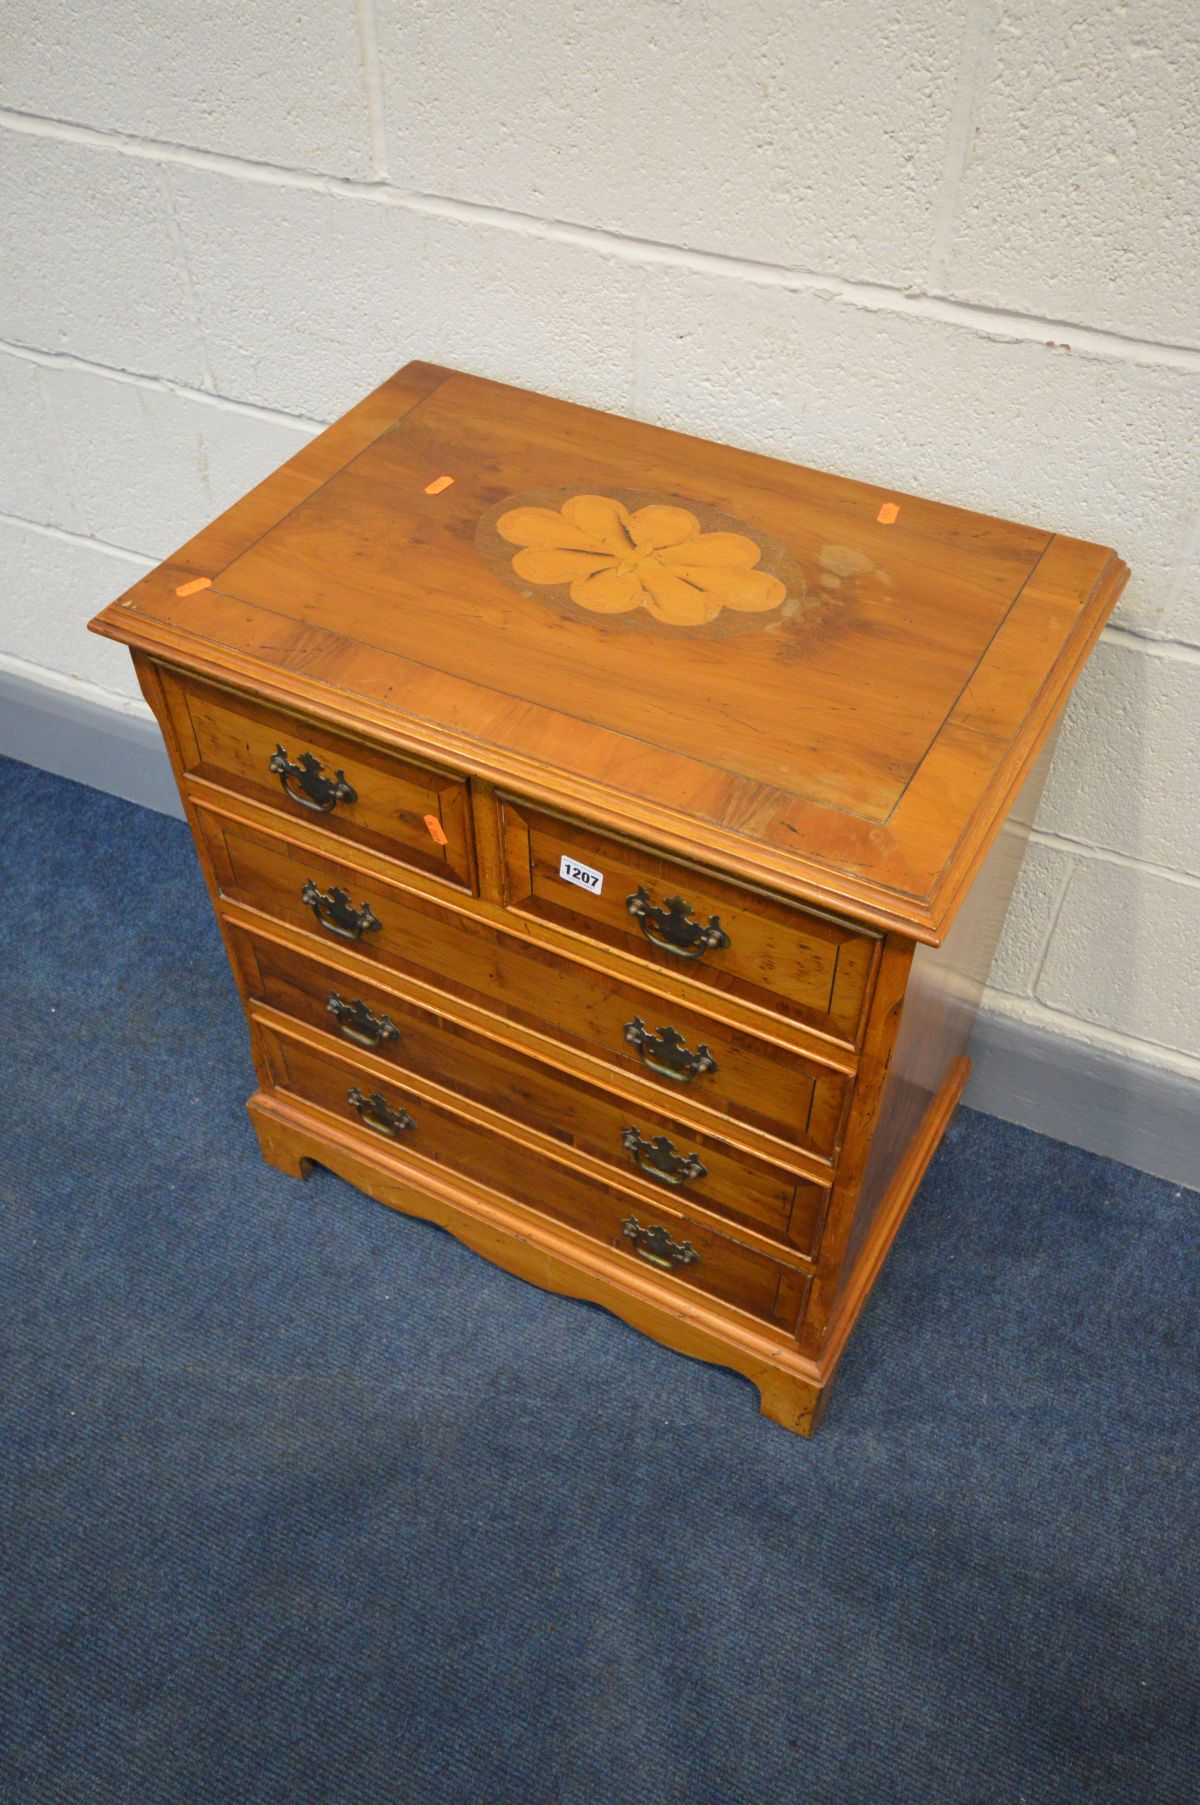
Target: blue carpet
(303,1502)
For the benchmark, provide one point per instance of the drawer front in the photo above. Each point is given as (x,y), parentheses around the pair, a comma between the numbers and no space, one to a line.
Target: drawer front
(398,807)
(720,934)
(682,1252)
(698,1169)
(767,1087)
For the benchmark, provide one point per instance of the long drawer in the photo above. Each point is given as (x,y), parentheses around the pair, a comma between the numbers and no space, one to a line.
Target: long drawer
(747,1078)
(422,1133)
(719,934)
(401,807)
(642,1145)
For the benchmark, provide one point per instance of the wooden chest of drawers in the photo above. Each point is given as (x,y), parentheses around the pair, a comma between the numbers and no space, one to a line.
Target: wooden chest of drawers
(611,833)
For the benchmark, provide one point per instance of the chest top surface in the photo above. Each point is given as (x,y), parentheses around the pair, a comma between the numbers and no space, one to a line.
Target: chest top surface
(832,687)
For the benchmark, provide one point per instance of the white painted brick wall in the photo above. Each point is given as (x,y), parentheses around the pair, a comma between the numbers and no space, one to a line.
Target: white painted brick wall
(198,74)
(305,295)
(90,264)
(746,127)
(33,474)
(1079,194)
(1032,913)
(192,458)
(1147,987)
(52,587)
(1126,775)
(1083,440)
(950,247)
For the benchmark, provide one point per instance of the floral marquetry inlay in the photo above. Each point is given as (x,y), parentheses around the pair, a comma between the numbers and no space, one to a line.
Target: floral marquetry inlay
(610,558)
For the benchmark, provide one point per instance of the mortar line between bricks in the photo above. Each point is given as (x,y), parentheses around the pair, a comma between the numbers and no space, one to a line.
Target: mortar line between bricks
(1050,929)
(637,376)
(1108,855)
(68,360)
(1070,335)
(1187,562)
(368,41)
(182,263)
(1033,1011)
(976,40)
(73,491)
(1179,651)
(64,533)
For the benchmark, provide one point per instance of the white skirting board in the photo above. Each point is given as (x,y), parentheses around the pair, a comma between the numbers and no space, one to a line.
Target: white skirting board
(1144,1115)
(72,734)
(1126,1109)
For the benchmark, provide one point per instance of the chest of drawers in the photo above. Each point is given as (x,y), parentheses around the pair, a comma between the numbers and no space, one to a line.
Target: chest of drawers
(610,833)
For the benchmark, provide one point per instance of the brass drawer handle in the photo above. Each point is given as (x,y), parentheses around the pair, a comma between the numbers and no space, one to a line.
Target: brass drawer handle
(659,1160)
(321,794)
(654,1245)
(359,1025)
(666,1053)
(336,913)
(375,1112)
(680,936)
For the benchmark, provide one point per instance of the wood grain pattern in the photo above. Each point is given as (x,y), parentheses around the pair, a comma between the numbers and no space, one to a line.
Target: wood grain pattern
(472,1148)
(862,1128)
(812,967)
(856,757)
(777,1092)
(801,722)
(489,902)
(411,812)
(737,1186)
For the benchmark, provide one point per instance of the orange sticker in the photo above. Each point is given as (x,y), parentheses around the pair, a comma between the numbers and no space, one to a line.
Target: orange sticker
(887,513)
(436,830)
(194,587)
(438,484)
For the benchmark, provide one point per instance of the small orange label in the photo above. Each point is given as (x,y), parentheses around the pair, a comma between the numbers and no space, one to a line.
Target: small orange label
(887,513)
(438,484)
(194,587)
(436,830)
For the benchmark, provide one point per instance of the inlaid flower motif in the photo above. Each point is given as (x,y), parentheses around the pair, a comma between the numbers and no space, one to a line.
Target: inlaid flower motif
(613,560)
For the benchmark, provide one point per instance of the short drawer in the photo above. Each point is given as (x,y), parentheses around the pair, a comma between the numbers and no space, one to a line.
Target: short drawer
(722,935)
(425,1134)
(639,1143)
(399,807)
(732,1073)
